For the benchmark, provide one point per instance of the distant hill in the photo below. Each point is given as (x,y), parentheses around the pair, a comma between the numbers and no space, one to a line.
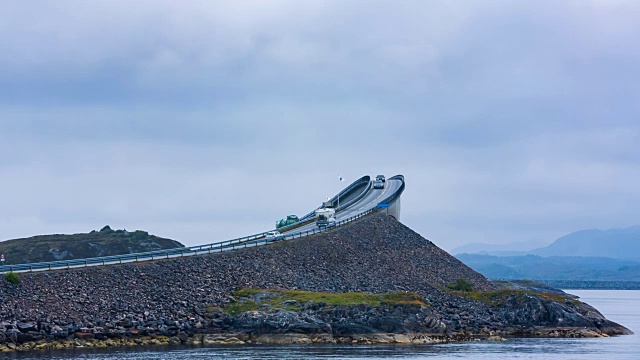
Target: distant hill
(614,243)
(515,248)
(553,268)
(77,246)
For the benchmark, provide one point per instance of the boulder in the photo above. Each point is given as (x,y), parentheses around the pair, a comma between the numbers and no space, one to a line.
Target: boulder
(85,336)
(26,327)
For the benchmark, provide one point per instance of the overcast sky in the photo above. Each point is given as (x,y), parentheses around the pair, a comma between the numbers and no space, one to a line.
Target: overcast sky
(206,120)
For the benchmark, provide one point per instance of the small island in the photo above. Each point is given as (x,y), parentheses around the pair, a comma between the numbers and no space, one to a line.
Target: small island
(105,242)
(375,281)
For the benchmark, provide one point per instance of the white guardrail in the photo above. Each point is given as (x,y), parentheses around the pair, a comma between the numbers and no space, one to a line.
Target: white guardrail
(242,242)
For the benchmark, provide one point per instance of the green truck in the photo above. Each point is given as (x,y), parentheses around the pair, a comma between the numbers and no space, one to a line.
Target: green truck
(289,220)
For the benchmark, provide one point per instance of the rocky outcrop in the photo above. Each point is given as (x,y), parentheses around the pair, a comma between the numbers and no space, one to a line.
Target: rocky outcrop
(287,316)
(172,298)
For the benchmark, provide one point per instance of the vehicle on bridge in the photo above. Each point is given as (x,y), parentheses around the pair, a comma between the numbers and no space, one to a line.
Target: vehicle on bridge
(289,220)
(325,217)
(378,184)
(273,236)
(380,177)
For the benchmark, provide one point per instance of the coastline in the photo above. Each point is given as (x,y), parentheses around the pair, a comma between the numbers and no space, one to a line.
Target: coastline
(299,339)
(285,321)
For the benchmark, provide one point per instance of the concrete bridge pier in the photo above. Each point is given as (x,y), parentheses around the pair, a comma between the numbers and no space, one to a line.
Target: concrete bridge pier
(394,209)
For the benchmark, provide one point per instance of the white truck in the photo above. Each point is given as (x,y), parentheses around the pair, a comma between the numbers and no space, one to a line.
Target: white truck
(325,217)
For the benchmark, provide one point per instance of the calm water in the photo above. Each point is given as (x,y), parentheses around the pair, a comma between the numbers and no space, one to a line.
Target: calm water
(618,305)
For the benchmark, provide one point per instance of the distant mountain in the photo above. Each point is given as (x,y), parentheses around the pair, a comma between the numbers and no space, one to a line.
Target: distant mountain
(553,268)
(589,255)
(614,243)
(77,246)
(516,248)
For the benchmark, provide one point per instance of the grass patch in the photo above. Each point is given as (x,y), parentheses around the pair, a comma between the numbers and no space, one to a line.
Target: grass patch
(12,277)
(336,299)
(558,298)
(246,292)
(461,285)
(250,299)
(493,298)
(349,299)
(238,307)
(403,299)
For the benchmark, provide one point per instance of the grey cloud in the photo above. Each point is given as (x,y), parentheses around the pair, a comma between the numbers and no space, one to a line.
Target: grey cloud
(511,120)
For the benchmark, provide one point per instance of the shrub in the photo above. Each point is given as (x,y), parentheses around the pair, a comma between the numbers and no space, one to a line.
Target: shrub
(12,277)
(139,235)
(461,285)
(106,229)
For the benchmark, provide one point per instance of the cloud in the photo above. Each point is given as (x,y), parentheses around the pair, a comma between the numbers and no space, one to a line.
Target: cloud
(211,119)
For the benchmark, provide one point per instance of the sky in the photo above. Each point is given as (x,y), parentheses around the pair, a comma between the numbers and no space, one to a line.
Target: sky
(203,121)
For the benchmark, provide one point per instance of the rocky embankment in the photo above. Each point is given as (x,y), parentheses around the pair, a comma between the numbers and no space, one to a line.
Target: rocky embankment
(195,299)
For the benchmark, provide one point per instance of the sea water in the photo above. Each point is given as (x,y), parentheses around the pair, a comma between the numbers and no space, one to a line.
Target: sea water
(622,306)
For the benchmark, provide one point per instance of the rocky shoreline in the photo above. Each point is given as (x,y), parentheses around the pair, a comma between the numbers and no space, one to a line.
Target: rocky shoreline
(242,339)
(216,299)
(282,328)
(99,338)
(280,339)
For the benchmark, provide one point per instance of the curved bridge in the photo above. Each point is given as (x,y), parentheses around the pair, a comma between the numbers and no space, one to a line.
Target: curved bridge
(352,203)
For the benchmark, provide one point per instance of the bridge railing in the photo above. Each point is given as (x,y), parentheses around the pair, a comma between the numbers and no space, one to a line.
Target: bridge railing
(249,241)
(245,241)
(360,181)
(297,235)
(103,260)
(366,186)
(391,198)
(349,189)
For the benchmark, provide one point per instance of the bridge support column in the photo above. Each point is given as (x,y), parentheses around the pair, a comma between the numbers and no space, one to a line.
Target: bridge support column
(394,209)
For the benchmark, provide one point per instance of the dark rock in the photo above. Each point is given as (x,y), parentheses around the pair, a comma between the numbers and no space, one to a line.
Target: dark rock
(12,335)
(23,338)
(183,336)
(84,336)
(26,327)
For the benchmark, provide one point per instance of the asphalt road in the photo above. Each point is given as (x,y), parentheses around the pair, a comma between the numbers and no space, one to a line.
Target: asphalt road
(369,201)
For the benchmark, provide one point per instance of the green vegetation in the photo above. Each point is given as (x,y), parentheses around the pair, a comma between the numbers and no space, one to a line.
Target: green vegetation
(246,292)
(408,298)
(461,285)
(252,299)
(139,234)
(497,298)
(12,277)
(238,307)
(517,291)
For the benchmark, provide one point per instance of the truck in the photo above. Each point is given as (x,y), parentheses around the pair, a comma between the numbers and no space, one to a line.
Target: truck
(289,220)
(325,217)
